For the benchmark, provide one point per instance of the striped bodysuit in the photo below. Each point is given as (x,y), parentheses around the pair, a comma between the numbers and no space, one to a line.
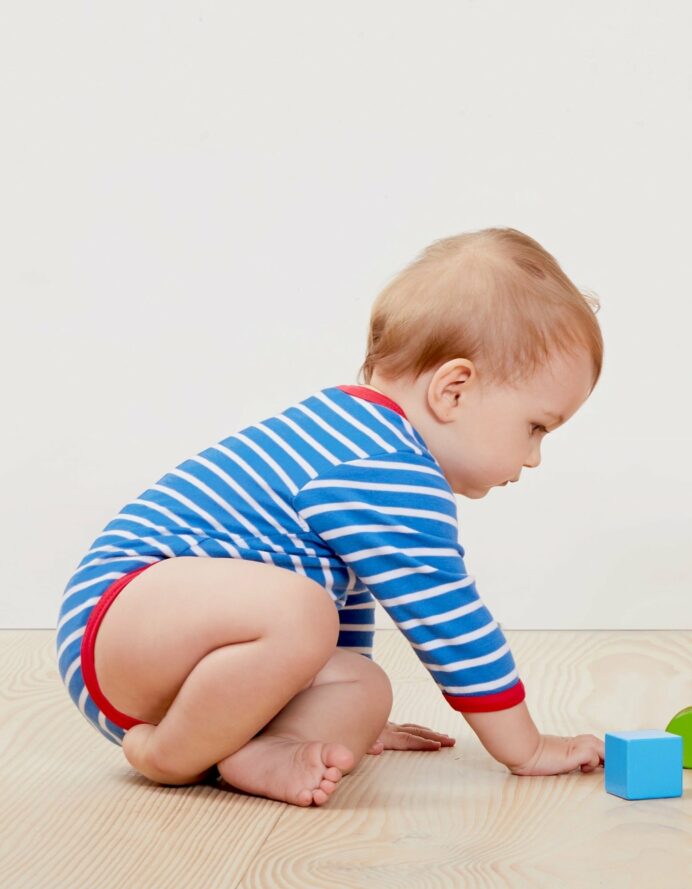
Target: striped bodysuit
(339,487)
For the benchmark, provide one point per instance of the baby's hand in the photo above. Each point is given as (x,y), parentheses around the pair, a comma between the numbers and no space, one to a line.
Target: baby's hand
(410,736)
(556,755)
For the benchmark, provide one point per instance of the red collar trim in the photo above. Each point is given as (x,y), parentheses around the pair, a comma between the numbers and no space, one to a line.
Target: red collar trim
(371,395)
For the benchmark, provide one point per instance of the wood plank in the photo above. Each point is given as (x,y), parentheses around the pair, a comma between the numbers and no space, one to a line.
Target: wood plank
(455,817)
(75,814)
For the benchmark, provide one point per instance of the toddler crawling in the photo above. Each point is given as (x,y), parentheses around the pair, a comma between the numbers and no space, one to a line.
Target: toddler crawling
(222,622)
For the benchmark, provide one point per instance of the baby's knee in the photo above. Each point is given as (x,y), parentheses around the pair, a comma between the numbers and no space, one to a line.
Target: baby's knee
(345,665)
(348,665)
(379,696)
(381,685)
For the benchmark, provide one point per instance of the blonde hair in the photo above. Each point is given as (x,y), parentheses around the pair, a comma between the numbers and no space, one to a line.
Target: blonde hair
(493,296)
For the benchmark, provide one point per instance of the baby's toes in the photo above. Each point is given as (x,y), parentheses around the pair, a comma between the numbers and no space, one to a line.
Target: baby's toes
(327,786)
(319,797)
(335,755)
(333,774)
(304,798)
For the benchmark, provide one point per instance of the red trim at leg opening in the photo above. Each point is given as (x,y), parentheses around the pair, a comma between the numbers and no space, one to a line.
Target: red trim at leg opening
(87,652)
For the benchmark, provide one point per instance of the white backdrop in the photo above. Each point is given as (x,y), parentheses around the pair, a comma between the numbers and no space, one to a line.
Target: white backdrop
(200,201)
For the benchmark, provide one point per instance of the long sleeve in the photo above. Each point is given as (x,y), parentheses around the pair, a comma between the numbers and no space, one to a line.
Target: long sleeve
(392,518)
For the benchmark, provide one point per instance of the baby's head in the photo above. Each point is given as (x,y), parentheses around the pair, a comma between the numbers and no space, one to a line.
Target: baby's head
(487,346)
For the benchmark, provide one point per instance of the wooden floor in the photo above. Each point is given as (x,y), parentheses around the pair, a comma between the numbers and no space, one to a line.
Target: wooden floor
(74,814)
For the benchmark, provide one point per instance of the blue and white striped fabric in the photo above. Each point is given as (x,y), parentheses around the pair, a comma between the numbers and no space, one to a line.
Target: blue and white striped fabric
(340,488)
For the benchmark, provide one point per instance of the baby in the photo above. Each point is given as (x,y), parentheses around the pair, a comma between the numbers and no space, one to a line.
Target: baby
(222,623)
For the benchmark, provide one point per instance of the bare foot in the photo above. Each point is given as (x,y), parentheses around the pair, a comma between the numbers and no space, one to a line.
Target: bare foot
(285,769)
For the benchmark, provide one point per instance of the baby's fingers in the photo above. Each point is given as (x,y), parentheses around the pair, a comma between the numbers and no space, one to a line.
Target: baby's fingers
(591,764)
(409,741)
(590,751)
(424,732)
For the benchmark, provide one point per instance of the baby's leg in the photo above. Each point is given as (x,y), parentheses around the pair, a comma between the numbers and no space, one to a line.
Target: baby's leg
(208,651)
(348,702)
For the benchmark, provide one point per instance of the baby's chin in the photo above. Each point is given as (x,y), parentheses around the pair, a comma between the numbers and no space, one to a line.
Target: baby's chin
(474,490)
(474,493)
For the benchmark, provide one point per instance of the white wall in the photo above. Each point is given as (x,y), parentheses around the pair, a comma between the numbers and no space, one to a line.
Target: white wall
(200,202)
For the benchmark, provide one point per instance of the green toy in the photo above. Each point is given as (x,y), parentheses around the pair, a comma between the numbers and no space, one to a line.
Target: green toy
(681,724)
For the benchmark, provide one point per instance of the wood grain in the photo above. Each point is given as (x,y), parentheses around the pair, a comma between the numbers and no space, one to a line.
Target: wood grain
(75,814)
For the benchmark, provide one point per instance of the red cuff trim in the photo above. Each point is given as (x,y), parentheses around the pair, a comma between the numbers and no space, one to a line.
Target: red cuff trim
(87,652)
(371,395)
(503,700)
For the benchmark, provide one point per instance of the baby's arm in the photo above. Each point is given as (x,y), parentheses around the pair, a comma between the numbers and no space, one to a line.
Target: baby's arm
(392,519)
(510,736)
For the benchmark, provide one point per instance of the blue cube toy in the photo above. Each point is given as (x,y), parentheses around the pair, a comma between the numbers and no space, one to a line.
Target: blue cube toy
(645,764)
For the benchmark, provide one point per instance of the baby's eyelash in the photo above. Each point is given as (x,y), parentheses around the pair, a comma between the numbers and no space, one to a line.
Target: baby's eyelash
(540,427)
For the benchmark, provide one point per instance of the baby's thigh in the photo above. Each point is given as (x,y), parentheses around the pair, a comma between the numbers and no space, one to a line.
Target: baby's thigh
(166,619)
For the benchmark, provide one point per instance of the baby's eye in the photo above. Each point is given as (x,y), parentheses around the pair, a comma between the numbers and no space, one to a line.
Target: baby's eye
(540,427)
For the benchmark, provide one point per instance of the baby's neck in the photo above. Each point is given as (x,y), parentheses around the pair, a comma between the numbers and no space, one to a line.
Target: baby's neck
(409,396)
